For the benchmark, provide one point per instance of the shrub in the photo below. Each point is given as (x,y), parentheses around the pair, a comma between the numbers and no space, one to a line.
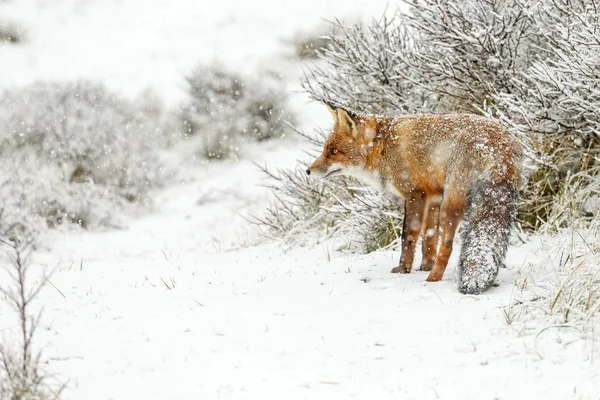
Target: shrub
(368,68)
(73,152)
(22,370)
(309,45)
(532,66)
(10,33)
(554,109)
(468,51)
(227,110)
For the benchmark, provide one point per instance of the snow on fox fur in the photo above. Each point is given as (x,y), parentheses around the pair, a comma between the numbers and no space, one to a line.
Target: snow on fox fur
(445,167)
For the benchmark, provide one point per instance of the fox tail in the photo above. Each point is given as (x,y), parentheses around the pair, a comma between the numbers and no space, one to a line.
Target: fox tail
(489,214)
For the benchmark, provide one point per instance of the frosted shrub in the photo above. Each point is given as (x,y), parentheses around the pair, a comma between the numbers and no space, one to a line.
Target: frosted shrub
(226,110)
(303,207)
(308,45)
(442,56)
(10,33)
(555,105)
(467,51)
(533,66)
(367,67)
(23,369)
(73,152)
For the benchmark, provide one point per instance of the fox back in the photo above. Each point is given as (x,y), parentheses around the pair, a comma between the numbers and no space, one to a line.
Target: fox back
(419,151)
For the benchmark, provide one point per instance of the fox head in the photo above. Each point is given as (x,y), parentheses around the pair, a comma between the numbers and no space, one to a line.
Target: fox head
(347,147)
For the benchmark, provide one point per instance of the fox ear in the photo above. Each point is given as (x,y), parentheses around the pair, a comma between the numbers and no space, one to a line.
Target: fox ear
(331,108)
(351,114)
(345,119)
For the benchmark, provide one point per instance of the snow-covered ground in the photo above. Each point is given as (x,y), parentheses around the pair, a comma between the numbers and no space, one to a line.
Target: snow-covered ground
(179,303)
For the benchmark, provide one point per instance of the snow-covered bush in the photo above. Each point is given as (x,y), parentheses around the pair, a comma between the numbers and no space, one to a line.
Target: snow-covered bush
(391,66)
(10,33)
(555,105)
(225,110)
(533,66)
(308,45)
(418,63)
(306,209)
(73,152)
(23,373)
(367,67)
(441,56)
(469,50)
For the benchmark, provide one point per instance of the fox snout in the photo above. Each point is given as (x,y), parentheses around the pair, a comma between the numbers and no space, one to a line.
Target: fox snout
(319,165)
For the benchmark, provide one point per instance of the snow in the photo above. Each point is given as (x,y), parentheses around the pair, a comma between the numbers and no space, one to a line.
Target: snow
(183,303)
(265,321)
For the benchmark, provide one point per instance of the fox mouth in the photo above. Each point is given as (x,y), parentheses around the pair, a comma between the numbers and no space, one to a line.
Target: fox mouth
(333,173)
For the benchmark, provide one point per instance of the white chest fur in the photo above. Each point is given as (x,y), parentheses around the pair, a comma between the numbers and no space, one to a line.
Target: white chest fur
(373,179)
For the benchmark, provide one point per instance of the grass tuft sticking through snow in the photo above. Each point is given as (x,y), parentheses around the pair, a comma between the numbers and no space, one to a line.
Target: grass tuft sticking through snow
(563,290)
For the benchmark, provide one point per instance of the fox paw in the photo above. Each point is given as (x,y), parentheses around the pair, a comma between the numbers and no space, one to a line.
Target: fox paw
(434,277)
(400,270)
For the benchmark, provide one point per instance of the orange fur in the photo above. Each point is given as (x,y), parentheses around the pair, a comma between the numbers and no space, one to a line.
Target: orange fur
(431,161)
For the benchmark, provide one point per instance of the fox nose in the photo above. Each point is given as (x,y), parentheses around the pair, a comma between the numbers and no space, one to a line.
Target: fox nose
(308,171)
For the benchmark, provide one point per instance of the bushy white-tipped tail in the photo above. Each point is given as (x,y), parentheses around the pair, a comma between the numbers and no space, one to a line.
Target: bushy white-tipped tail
(490,211)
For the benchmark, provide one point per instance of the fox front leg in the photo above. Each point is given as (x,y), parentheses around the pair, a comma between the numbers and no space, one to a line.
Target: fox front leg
(414,209)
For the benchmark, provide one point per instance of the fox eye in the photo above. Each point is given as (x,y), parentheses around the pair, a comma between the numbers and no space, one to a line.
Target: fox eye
(333,151)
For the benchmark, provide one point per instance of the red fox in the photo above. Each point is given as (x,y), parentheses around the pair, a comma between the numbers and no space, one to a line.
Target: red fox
(444,167)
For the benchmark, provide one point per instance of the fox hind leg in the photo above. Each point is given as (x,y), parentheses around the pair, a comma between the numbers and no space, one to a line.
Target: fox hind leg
(451,212)
(431,232)
(414,208)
